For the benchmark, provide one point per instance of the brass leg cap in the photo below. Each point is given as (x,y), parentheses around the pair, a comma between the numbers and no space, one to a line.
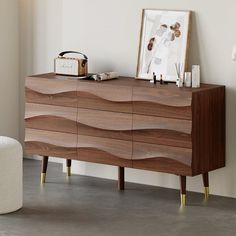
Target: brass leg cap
(43,178)
(207,193)
(68,171)
(183,200)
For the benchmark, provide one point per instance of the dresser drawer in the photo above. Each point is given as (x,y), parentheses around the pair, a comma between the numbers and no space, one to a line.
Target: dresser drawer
(61,92)
(104,150)
(100,96)
(105,124)
(161,130)
(48,143)
(162,158)
(48,117)
(162,102)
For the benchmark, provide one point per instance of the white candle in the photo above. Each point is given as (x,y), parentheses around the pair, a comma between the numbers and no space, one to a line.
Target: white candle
(188,79)
(195,76)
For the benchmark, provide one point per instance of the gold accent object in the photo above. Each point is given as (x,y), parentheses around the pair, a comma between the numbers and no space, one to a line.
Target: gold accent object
(43,178)
(68,171)
(206,192)
(183,200)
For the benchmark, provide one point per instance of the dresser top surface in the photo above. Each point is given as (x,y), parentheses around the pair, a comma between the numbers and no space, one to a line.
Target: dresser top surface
(127,81)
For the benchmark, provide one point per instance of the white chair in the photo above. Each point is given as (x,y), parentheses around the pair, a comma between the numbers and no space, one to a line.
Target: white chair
(11,174)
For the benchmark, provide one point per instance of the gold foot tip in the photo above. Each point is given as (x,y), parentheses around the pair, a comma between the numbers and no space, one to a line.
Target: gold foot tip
(207,192)
(183,200)
(68,171)
(43,178)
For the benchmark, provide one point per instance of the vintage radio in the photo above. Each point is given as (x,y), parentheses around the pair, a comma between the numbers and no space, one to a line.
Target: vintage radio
(70,65)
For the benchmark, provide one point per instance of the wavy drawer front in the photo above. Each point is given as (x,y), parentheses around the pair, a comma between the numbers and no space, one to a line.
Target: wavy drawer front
(104,150)
(50,86)
(115,147)
(162,158)
(51,91)
(126,122)
(164,131)
(104,97)
(105,124)
(54,118)
(162,102)
(50,143)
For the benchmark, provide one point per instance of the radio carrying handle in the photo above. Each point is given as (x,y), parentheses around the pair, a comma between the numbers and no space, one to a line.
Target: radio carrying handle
(67,52)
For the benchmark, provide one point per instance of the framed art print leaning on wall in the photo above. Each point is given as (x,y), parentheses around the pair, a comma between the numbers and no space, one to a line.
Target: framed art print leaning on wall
(164,40)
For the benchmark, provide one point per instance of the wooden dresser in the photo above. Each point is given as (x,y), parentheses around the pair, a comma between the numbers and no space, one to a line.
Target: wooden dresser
(127,123)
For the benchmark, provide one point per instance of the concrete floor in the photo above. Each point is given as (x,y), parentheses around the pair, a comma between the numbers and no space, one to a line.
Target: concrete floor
(90,206)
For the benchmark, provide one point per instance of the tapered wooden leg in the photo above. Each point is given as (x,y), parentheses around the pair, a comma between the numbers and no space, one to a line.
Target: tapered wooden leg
(68,167)
(121,178)
(183,190)
(205,178)
(44,169)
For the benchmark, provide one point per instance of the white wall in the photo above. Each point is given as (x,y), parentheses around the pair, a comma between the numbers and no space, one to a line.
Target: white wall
(108,31)
(9,68)
(40,38)
(40,42)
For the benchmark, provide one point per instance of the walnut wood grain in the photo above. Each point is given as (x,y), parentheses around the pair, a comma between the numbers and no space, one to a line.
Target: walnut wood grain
(60,92)
(162,165)
(44,165)
(163,137)
(164,131)
(68,99)
(90,131)
(45,149)
(155,109)
(114,147)
(106,91)
(182,184)
(148,151)
(127,123)
(121,178)
(105,120)
(162,102)
(68,163)
(51,123)
(101,157)
(105,124)
(48,143)
(35,110)
(50,86)
(208,130)
(205,179)
(54,138)
(104,97)
(54,118)
(141,122)
(163,96)
(104,105)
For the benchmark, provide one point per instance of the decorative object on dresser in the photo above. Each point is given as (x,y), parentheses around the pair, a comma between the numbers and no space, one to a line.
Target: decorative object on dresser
(188,79)
(164,40)
(195,76)
(72,66)
(127,123)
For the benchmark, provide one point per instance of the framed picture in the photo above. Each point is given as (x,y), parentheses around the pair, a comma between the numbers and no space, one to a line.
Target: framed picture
(164,40)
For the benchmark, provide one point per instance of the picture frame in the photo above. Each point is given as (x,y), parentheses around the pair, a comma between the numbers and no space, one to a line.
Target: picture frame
(164,44)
